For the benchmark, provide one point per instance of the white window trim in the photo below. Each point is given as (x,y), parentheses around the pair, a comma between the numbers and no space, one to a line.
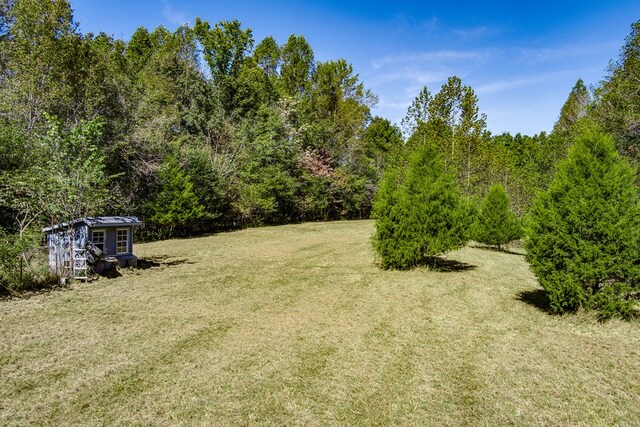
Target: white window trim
(104,239)
(128,240)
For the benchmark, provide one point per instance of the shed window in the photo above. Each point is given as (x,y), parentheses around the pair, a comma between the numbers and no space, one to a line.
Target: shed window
(122,240)
(98,237)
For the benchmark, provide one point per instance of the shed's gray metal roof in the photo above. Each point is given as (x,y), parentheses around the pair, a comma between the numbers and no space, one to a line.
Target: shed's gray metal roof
(93,221)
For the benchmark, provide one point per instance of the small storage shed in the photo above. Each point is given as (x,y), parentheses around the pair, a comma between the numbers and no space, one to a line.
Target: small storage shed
(69,244)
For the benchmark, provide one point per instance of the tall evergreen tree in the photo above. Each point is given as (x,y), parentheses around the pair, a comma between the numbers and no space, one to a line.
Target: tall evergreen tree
(176,204)
(495,224)
(573,117)
(423,218)
(584,231)
(417,113)
(574,108)
(386,213)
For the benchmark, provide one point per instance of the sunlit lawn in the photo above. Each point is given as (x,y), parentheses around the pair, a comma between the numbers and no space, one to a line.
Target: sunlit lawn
(296,325)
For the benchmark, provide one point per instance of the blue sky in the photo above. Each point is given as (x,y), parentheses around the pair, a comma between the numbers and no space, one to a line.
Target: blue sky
(521,58)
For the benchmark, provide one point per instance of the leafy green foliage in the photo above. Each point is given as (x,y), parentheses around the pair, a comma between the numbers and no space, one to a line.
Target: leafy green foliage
(11,250)
(21,263)
(264,135)
(57,176)
(572,121)
(211,187)
(297,66)
(39,49)
(268,192)
(268,56)
(495,224)
(77,184)
(176,204)
(225,46)
(383,146)
(386,214)
(64,179)
(451,120)
(584,231)
(419,216)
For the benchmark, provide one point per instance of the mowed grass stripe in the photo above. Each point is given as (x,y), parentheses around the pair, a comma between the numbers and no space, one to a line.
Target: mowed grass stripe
(296,325)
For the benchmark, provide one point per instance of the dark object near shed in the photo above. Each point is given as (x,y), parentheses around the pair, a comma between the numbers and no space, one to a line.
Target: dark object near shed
(93,242)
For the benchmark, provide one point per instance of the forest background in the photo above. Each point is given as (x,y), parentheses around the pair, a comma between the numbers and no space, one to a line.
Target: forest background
(206,129)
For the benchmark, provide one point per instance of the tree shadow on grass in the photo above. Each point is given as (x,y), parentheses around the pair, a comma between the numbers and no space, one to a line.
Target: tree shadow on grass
(28,293)
(537,298)
(4,292)
(501,250)
(111,273)
(442,265)
(161,261)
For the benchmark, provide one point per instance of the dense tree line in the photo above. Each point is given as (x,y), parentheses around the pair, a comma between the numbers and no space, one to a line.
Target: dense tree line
(204,128)
(195,130)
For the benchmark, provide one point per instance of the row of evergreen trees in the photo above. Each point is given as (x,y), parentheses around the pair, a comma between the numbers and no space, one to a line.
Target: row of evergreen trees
(421,213)
(582,233)
(575,191)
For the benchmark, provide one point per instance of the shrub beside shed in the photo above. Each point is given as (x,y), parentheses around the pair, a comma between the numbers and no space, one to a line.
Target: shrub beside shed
(72,245)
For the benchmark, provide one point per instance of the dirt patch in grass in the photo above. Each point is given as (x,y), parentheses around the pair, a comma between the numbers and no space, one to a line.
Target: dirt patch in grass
(296,325)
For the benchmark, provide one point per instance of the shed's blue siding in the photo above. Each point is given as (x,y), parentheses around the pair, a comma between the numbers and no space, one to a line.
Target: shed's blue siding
(111,239)
(61,249)
(64,238)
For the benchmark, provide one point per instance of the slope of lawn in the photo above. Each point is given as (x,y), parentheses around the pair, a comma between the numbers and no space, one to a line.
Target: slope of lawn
(296,325)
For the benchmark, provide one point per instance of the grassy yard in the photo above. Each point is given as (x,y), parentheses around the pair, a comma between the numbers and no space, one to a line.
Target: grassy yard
(295,325)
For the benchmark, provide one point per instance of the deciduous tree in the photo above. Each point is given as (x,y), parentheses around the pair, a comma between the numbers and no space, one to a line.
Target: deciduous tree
(617,107)
(297,66)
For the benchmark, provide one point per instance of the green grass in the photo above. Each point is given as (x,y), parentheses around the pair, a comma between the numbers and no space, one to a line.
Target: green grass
(296,325)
